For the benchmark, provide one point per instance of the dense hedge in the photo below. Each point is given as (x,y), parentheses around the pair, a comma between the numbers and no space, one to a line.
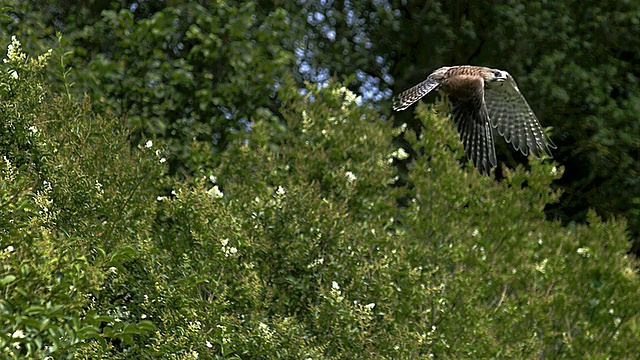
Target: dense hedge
(294,247)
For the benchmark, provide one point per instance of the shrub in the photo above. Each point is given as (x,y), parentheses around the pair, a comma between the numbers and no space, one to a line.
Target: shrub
(54,266)
(295,247)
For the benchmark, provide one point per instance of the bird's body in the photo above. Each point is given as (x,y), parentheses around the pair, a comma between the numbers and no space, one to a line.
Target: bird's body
(482,98)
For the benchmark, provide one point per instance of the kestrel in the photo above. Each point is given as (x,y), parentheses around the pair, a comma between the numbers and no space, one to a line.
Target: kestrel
(482,98)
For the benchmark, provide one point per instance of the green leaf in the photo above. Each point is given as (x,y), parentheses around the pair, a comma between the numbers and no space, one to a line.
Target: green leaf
(126,253)
(7,280)
(147,325)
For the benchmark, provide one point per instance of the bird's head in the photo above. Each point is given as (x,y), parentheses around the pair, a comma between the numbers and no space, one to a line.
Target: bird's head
(495,75)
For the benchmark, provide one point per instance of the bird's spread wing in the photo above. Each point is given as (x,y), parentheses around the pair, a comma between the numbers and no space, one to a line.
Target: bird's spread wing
(472,120)
(514,119)
(408,97)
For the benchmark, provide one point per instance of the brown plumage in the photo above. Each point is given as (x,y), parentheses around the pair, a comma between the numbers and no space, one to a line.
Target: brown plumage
(482,98)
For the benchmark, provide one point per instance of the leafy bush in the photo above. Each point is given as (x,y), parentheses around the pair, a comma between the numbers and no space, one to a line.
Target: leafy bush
(470,269)
(54,266)
(503,281)
(294,246)
(194,75)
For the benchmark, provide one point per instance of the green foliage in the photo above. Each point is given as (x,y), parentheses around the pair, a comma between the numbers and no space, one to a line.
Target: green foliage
(20,138)
(576,63)
(500,274)
(287,239)
(194,75)
(51,274)
(579,60)
(293,247)
(197,75)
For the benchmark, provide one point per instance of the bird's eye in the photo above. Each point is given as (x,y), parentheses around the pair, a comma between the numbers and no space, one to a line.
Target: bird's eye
(497,74)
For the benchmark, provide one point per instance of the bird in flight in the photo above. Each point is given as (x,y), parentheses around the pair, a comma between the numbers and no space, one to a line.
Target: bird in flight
(482,98)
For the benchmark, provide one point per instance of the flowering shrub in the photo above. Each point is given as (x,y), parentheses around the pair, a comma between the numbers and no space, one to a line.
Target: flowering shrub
(295,247)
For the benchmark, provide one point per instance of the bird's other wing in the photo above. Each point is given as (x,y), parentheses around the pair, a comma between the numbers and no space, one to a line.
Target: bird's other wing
(510,113)
(408,97)
(472,120)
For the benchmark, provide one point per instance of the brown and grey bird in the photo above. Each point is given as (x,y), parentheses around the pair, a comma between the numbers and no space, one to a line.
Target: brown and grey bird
(482,98)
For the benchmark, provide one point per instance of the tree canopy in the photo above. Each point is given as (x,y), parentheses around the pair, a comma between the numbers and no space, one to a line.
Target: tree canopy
(224,179)
(198,73)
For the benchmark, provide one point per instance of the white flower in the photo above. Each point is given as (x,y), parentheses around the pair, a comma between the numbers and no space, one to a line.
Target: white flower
(8,249)
(33,129)
(13,50)
(540,267)
(213,179)
(148,144)
(584,251)
(400,154)
(228,251)
(554,171)
(350,176)
(215,193)
(400,129)
(161,198)
(280,191)
(113,270)
(208,344)
(370,306)
(315,263)
(143,316)
(335,286)
(475,232)
(14,74)
(349,97)
(18,334)
(163,160)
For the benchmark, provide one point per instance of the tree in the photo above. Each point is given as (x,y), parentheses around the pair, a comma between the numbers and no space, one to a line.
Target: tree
(194,75)
(574,62)
(165,66)
(294,246)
